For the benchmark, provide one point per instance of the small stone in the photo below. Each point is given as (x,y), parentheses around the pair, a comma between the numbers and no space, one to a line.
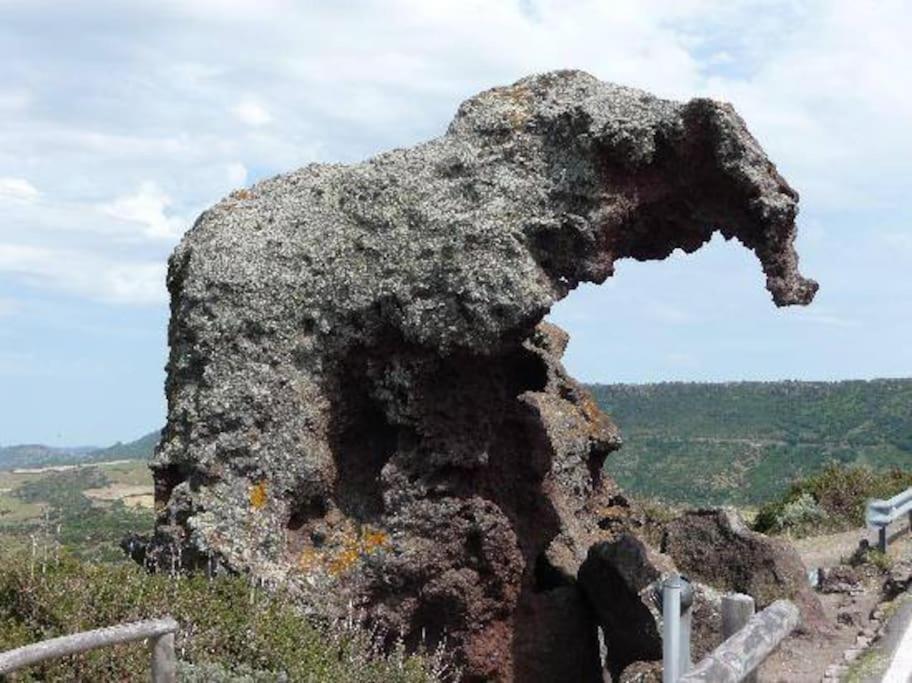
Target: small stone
(849,618)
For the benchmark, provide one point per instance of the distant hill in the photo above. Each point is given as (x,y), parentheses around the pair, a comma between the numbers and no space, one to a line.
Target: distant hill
(36,455)
(744,442)
(141,449)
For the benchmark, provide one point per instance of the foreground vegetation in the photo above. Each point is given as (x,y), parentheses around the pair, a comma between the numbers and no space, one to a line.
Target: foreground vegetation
(745,443)
(228,631)
(61,571)
(831,500)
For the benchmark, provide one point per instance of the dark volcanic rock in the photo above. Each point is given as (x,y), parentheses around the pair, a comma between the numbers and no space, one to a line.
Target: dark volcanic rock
(715,547)
(618,579)
(362,400)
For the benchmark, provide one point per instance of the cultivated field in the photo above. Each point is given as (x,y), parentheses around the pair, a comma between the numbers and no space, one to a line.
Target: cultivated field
(85,508)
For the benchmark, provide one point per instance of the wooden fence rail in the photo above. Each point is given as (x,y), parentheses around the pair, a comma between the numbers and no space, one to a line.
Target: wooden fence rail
(740,655)
(159,632)
(749,637)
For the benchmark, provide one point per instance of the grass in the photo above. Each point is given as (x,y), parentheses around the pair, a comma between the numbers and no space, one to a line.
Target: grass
(14,511)
(129,473)
(228,630)
(867,667)
(61,571)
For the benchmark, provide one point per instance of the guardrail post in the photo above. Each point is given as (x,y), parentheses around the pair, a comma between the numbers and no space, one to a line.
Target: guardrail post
(671,629)
(882,539)
(737,609)
(676,600)
(164,662)
(684,662)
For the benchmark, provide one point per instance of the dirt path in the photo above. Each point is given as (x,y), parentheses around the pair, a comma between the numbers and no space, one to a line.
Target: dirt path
(831,549)
(805,658)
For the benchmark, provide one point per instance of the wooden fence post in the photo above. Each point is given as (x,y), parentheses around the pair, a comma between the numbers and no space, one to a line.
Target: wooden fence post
(164,662)
(737,609)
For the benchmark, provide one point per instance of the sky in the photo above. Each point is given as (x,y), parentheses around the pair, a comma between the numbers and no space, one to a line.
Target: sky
(120,122)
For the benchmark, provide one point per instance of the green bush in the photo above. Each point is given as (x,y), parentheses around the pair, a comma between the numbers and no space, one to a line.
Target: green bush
(832,500)
(225,626)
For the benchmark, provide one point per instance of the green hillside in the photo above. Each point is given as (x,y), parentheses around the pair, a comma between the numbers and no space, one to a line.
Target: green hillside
(141,449)
(744,442)
(36,455)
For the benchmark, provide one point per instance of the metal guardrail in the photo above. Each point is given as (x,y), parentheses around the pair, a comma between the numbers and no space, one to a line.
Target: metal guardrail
(749,637)
(881,513)
(159,633)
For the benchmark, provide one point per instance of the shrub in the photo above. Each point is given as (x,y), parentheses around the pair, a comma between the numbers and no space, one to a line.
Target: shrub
(225,627)
(832,500)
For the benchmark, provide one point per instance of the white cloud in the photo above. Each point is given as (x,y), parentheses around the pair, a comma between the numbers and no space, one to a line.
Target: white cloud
(146,208)
(817,81)
(237,174)
(85,274)
(668,314)
(681,359)
(17,189)
(898,240)
(252,113)
(14,100)
(8,307)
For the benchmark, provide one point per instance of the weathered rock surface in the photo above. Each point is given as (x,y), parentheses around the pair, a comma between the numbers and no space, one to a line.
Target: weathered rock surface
(618,579)
(715,547)
(362,399)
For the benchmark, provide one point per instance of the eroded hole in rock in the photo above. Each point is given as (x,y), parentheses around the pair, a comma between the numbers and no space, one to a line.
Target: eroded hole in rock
(362,441)
(305,510)
(167,477)
(547,576)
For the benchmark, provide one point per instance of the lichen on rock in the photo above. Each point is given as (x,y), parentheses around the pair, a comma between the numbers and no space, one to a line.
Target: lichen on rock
(359,350)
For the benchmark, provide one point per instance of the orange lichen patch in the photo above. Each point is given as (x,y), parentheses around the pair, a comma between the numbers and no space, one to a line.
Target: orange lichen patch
(598,424)
(355,548)
(519,98)
(590,409)
(258,495)
(242,194)
(308,559)
(344,561)
(372,539)
(343,550)
(614,511)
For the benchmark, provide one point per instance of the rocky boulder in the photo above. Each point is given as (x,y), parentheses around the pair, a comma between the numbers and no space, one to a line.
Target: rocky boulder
(714,546)
(619,579)
(363,401)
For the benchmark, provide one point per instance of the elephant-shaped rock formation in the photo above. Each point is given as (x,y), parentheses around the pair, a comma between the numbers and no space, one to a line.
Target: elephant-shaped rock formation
(363,400)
